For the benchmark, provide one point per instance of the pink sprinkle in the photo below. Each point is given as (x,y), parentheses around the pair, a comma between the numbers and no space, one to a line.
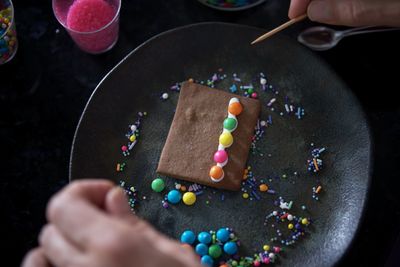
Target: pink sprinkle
(277,249)
(89,15)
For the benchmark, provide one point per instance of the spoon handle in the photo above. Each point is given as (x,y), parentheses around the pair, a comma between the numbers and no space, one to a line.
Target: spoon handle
(362,30)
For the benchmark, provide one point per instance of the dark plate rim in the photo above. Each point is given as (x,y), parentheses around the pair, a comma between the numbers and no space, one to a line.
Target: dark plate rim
(356,230)
(232,9)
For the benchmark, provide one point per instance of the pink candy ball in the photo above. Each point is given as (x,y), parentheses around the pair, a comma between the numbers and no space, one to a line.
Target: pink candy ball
(220,156)
(124,148)
(257,263)
(277,249)
(254,95)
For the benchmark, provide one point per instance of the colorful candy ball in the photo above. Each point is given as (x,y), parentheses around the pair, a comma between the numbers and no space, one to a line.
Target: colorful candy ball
(215,251)
(158,185)
(230,248)
(188,237)
(207,260)
(220,156)
(226,139)
(201,249)
(263,187)
(174,196)
(223,235)
(204,238)
(235,108)
(189,198)
(132,138)
(230,124)
(216,173)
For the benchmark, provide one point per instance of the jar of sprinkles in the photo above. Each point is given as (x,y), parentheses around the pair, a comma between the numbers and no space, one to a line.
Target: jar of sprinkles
(8,34)
(231,5)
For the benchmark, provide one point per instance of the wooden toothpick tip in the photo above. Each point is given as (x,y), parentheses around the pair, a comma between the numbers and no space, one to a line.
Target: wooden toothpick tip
(280,28)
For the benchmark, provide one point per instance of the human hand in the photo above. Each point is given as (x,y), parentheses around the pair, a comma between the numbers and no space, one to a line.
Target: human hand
(91,225)
(349,12)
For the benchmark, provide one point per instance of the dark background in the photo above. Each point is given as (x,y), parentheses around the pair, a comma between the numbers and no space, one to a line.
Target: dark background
(44,90)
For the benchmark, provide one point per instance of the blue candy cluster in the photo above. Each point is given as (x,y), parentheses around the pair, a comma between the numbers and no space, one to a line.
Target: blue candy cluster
(210,245)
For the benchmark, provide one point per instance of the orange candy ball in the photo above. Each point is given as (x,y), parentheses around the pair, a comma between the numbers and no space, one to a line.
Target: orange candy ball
(263,187)
(216,172)
(235,108)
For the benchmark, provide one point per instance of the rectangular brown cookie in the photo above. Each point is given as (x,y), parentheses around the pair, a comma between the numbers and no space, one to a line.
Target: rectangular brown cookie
(194,136)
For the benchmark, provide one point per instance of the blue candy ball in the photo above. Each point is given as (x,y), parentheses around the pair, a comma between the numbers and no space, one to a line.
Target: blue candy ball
(223,235)
(201,249)
(204,238)
(188,237)
(230,248)
(174,196)
(207,260)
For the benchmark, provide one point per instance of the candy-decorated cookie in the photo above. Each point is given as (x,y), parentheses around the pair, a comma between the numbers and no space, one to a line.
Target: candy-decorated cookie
(210,136)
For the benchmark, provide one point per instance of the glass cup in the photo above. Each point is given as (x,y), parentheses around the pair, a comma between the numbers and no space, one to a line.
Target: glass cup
(8,34)
(92,24)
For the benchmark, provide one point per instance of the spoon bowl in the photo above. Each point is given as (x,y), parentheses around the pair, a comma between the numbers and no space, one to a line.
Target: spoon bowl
(322,38)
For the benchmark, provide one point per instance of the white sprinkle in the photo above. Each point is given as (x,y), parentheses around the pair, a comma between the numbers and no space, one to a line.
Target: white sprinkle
(263,81)
(271,102)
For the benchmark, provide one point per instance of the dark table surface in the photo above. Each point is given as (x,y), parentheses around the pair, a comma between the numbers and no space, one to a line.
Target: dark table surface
(45,88)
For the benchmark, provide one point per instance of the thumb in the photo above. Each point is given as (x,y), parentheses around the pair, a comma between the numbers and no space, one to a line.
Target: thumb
(117,203)
(355,12)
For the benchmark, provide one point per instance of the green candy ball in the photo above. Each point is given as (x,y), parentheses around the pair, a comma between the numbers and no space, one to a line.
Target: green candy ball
(158,185)
(215,251)
(230,124)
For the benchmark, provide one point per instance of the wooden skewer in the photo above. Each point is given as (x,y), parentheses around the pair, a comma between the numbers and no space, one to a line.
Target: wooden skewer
(280,28)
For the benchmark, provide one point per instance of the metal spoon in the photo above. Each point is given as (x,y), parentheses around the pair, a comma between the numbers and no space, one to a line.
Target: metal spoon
(322,38)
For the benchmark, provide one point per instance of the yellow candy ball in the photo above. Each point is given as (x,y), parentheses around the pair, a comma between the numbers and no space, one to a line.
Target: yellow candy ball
(290,226)
(245,195)
(226,139)
(304,221)
(266,247)
(132,138)
(189,198)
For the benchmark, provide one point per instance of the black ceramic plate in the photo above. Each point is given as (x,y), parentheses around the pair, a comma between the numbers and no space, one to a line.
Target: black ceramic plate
(333,119)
